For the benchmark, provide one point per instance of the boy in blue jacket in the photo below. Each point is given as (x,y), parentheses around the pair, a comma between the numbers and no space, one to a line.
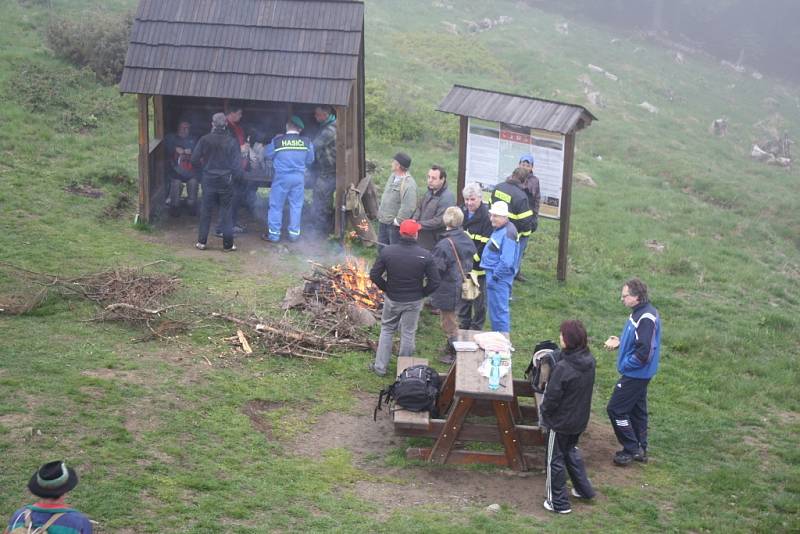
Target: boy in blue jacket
(637,362)
(499,260)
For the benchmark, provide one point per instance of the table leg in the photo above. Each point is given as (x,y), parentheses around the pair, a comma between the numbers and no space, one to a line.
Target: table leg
(508,434)
(446,440)
(447,392)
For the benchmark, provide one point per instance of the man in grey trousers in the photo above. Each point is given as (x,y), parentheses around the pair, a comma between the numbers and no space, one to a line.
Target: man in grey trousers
(405,272)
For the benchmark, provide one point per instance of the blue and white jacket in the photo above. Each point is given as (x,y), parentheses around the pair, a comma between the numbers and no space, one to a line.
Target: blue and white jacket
(290,153)
(640,343)
(500,254)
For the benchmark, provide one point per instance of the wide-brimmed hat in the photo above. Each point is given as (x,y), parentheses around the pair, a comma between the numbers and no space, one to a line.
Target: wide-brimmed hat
(53,480)
(499,208)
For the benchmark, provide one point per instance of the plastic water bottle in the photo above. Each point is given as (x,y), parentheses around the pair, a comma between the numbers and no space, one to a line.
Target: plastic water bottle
(494,374)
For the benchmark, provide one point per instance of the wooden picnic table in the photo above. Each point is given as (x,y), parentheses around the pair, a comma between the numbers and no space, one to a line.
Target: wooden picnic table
(465,392)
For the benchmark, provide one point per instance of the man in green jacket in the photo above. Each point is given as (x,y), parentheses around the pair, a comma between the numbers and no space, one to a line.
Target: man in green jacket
(398,202)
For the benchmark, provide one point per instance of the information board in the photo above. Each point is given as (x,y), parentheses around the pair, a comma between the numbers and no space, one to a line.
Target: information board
(493,152)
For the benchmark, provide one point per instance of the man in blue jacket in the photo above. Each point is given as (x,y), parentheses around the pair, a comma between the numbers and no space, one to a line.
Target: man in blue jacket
(499,260)
(637,362)
(291,154)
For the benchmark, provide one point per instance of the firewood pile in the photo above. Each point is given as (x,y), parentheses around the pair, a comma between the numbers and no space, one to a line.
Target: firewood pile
(341,298)
(130,295)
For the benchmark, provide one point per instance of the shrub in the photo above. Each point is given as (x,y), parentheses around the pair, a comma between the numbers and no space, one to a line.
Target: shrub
(98,42)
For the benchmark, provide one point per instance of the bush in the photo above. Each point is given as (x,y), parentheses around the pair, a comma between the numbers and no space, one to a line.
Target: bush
(98,42)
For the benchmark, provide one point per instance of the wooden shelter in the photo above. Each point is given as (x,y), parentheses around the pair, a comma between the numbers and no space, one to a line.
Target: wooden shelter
(275,57)
(516,113)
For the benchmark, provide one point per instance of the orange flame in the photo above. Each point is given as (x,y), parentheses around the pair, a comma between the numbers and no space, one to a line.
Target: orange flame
(353,282)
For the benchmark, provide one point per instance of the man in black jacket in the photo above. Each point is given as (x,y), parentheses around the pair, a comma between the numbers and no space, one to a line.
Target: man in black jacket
(411,275)
(478,227)
(565,412)
(220,158)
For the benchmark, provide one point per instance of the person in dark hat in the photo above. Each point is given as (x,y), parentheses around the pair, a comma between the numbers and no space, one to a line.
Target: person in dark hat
(51,482)
(398,202)
(406,273)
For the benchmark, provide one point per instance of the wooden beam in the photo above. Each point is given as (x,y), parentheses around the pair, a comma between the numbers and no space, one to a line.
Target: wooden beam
(341,167)
(144,159)
(566,206)
(463,130)
(529,435)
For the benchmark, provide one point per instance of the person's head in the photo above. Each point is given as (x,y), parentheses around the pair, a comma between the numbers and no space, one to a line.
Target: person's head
(437,177)
(321,113)
(526,163)
(573,335)
(520,175)
(184,127)
(410,228)
(295,124)
(453,217)
(498,214)
(53,480)
(234,113)
(401,163)
(473,196)
(634,292)
(219,121)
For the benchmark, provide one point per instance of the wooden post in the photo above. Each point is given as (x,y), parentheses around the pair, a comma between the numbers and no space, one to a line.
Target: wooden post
(566,206)
(342,130)
(144,160)
(158,187)
(463,130)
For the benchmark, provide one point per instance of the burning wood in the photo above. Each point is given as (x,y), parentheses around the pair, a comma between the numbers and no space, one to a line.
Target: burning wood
(347,283)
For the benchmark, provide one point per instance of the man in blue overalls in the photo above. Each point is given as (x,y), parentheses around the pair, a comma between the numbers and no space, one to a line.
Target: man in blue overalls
(499,260)
(291,154)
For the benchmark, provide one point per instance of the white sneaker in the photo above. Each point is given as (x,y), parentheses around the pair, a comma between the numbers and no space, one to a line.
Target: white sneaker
(200,246)
(549,507)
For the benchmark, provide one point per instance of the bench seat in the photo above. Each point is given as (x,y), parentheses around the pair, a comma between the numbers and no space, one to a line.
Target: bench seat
(404,418)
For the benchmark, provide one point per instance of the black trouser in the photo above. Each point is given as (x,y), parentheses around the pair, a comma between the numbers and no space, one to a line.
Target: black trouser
(472,313)
(388,234)
(627,410)
(240,190)
(322,209)
(216,192)
(563,457)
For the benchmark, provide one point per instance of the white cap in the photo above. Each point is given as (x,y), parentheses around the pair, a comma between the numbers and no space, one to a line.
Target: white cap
(499,208)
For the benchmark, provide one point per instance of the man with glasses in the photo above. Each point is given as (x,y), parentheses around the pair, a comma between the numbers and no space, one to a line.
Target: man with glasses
(637,362)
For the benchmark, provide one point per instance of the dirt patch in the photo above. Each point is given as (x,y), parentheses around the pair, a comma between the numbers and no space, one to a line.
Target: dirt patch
(84,190)
(120,207)
(452,487)
(255,410)
(254,255)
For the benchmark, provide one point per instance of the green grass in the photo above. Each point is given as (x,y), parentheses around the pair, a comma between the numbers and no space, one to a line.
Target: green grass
(152,426)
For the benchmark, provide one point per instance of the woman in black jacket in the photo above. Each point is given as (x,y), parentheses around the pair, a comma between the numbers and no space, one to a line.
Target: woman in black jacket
(447,297)
(565,412)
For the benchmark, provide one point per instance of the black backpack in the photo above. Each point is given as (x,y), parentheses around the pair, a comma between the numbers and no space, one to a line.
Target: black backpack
(415,390)
(545,356)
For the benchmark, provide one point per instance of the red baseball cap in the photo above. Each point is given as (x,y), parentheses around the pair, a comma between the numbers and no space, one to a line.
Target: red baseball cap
(409,227)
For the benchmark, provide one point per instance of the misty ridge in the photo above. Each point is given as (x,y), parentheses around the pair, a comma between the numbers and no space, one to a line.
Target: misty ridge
(764,35)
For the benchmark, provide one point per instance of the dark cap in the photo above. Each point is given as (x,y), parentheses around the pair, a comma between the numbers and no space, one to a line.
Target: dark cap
(53,480)
(403,159)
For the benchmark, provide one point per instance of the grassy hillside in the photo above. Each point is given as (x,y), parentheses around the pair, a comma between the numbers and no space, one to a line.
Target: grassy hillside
(160,437)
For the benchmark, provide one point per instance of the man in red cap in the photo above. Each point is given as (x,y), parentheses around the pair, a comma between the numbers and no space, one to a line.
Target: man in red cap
(50,483)
(406,273)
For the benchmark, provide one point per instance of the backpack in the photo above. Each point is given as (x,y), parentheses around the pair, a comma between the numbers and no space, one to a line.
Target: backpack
(545,356)
(415,390)
(27,527)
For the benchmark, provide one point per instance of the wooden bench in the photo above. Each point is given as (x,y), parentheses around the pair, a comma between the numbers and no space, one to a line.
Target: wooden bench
(404,418)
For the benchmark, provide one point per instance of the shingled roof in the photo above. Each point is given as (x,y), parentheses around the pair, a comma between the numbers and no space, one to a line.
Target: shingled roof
(516,109)
(304,51)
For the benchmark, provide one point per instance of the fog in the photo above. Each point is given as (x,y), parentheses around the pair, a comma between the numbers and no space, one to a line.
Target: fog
(763,35)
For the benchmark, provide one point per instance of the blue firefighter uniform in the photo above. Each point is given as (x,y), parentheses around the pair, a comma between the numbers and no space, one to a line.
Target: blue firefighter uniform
(499,260)
(291,154)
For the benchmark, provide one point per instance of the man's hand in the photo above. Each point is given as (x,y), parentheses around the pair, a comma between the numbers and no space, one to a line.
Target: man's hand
(611,343)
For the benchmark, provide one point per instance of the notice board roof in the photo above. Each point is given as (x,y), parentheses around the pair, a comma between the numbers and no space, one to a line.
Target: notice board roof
(519,110)
(304,51)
